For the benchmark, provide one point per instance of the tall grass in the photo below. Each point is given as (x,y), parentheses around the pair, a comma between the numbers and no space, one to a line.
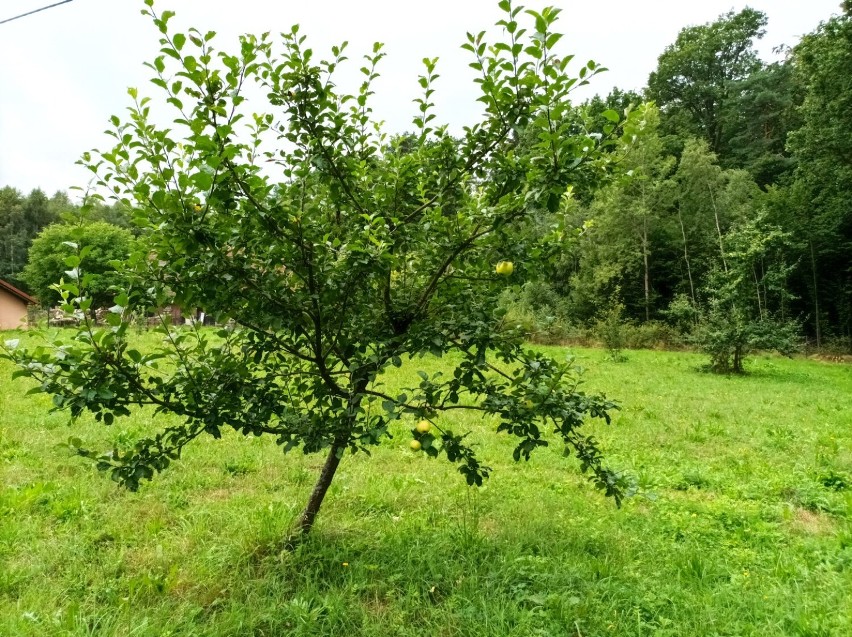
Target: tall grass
(743,525)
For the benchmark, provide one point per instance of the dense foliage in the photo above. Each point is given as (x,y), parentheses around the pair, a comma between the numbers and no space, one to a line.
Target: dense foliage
(820,199)
(698,74)
(59,249)
(730,225)
(21,219)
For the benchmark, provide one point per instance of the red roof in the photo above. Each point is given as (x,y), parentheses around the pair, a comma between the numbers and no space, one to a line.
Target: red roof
(16,292)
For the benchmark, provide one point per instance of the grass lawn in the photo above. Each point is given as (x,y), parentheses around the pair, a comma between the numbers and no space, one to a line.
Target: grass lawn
(743,526)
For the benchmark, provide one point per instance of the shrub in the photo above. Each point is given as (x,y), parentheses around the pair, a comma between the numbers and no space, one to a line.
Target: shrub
(728,335)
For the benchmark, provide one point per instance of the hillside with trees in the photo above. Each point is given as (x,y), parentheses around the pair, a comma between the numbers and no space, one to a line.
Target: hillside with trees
(735,202)
(739,185)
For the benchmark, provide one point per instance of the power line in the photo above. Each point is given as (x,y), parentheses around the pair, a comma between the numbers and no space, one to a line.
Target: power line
(23,15)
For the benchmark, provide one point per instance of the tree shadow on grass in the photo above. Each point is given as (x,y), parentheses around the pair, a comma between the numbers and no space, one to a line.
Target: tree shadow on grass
(341,581)
(775,374)
(764,372)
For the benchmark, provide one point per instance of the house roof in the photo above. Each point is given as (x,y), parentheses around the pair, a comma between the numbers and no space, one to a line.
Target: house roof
(11,289)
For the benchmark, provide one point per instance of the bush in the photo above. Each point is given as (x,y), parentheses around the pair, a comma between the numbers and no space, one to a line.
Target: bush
(682,315)
(728,335)
(542,316)
(652,335)
(609,328)
(57,252)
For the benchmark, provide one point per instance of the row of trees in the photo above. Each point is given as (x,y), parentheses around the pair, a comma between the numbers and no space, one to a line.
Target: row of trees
(21,219)
(742,173)
(38,232)
(735,202)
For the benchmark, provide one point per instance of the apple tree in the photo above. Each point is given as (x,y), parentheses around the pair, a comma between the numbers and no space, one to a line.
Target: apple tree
(331,251)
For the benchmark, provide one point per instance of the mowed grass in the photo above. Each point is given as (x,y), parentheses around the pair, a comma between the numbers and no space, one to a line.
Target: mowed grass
(742,528)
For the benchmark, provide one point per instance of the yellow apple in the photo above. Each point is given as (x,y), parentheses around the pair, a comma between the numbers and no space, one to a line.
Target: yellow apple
(505,268)
(423,427)
(415,445)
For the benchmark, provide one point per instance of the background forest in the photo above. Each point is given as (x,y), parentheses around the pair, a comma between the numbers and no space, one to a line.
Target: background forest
(728,223)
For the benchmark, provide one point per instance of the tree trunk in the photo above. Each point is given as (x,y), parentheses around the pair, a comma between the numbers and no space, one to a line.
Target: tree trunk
(765,289)
(757,289)
(643,235)
(686,258)
(306,519)
(718,227)
(816,295)
(647,271)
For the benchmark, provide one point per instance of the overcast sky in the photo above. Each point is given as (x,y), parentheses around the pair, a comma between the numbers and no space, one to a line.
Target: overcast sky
(65,70)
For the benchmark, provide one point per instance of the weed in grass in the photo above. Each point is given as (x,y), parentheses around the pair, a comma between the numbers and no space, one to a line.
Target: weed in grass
(692,479)
(836,481)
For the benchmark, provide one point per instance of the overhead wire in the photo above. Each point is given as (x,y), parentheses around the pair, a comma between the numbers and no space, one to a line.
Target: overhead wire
(23,15)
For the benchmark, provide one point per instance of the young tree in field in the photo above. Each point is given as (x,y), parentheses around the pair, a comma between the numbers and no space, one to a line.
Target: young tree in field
(740,316)
(57,250)
(335,252)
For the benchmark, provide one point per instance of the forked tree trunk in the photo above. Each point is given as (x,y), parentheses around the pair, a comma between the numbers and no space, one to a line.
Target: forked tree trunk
(760,302)
(335,454)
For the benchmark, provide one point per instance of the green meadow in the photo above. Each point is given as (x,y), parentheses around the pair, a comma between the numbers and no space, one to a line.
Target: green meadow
(741,525)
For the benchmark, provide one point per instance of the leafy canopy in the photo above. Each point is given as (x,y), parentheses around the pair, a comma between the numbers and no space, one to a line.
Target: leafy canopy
(696,74)
(22,217)
(56,253)
(333,250)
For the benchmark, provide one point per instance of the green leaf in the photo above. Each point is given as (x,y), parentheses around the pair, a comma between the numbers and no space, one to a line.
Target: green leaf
(202,180)
(611,115)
